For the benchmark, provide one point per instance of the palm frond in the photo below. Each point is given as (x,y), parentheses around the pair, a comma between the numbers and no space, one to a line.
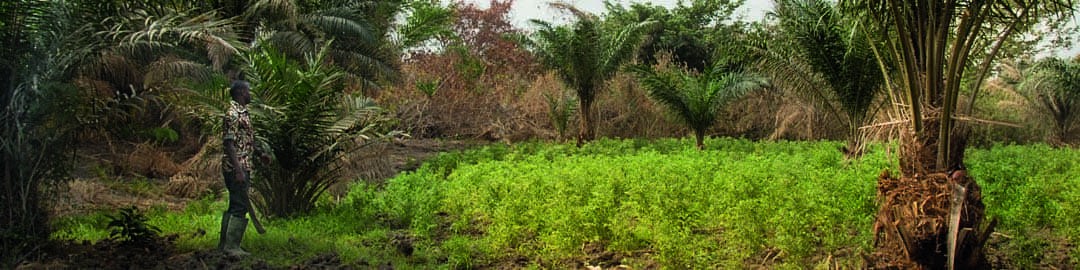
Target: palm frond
(285,12)
(696,99)
(338,24)
(427,21)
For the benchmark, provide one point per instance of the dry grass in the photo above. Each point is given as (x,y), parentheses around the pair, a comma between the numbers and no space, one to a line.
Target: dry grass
(513,108)
(493,107)
(151,161)
(200,174)
(625,111)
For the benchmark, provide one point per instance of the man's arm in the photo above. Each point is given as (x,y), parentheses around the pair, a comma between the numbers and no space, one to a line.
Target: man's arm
(230,154)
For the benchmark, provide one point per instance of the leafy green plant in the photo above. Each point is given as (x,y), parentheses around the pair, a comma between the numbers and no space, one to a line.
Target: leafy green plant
(560,110)
(309,125)
(696,99)
(647,202)
(129,227)
(164,134)
(428,87)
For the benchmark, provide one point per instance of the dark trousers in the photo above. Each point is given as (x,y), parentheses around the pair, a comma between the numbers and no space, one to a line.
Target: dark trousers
(238,194)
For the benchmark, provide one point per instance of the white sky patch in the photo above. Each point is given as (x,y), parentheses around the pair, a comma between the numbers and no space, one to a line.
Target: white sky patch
(752,10)
(525,10)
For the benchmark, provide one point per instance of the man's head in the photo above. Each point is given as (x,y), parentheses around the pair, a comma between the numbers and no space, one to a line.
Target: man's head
(240,92)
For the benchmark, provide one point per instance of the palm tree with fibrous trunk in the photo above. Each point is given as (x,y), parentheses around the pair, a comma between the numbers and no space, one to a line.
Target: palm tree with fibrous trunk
(1052,87)
(934,44)
(585,56)
(818,52)
(697,99)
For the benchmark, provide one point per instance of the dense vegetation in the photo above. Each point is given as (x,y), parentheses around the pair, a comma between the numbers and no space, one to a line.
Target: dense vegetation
(130,94)
(641,203)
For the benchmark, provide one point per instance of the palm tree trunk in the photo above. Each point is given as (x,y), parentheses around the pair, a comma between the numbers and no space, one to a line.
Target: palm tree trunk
(586,132)
(700,136)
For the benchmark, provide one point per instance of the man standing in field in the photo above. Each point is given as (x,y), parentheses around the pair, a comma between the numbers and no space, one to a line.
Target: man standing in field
(239,144)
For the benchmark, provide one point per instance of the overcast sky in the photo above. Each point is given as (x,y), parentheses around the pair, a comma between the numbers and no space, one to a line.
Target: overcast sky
(752,10)
(525,10)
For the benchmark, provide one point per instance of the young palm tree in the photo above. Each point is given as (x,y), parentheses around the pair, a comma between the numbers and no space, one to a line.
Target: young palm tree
(696,99)
(825,57)
(304,118)
(585,56)
(1053,87)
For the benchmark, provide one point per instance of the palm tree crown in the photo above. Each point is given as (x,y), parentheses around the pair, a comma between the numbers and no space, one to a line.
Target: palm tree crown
(696,99)
(585,56)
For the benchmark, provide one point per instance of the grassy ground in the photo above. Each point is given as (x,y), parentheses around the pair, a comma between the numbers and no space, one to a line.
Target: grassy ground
(643,204)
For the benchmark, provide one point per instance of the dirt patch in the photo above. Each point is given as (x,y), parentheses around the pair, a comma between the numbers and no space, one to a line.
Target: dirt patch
(105,254)
(161,255)
(1010,252)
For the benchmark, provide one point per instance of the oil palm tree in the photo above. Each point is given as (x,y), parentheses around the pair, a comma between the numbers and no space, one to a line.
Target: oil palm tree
(820,53)
(585,56)
(934,43)
(136,54)
(34,40)
(696,99)
(1053,87)
(359,29)
(303,117)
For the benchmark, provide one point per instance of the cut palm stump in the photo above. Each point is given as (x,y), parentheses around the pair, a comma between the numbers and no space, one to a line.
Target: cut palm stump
(912,230)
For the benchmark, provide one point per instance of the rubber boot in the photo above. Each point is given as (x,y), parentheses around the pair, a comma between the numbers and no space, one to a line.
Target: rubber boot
(224,229)
(235,235)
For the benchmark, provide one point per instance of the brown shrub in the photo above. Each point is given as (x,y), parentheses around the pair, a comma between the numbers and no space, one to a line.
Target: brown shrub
(625,111)
(200,174)
(486,109)
(151,161)
(515,110)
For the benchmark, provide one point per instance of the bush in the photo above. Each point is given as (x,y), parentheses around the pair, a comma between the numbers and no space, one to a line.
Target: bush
(309,125)
(129,227)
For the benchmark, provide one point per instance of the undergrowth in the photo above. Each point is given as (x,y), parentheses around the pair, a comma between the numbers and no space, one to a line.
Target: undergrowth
(642,203)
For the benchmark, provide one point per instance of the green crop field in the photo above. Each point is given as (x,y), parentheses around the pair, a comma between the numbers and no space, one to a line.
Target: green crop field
(643,204)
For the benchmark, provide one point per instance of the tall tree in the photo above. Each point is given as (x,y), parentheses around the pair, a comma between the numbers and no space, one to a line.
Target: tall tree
(690,32)
(585,56)
(934,44)
(824,55)
(36,40)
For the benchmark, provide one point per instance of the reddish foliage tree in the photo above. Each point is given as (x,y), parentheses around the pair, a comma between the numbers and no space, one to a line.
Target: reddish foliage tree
(474,77)
(484,33)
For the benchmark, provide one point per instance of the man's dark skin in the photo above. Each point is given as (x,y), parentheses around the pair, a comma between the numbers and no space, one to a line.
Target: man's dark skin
(234,222)
(244,98)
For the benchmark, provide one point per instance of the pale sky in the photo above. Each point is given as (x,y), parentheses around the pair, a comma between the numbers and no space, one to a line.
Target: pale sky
(524,10)
(752,10)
